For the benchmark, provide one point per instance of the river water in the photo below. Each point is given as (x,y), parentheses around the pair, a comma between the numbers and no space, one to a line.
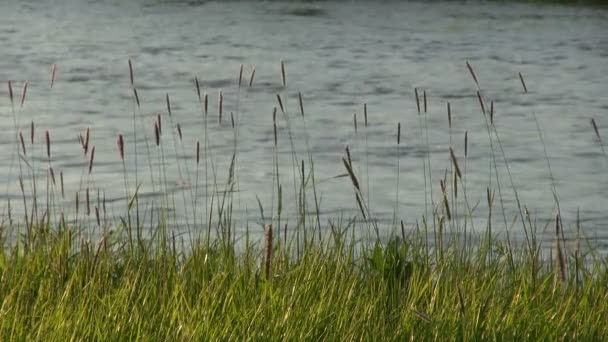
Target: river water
(339,55)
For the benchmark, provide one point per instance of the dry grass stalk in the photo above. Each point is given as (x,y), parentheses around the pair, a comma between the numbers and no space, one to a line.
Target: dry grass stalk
(365,114)
(131,72)
(492,113)
(121,147)
(24,92)
(77,202)
(472,74)
(269,243)
(32,132)
(523,83)
(53,73)
(455,162)
(561,261)
(251,77)
(91,159)
(353,178)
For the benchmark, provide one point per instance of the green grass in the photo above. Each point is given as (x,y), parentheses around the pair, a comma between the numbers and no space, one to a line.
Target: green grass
(135,279)
(335,290)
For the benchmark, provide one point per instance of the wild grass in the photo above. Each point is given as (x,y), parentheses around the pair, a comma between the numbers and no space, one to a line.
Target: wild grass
(77,275)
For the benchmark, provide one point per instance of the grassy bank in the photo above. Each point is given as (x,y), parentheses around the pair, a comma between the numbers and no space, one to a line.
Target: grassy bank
(336,290)
(75,274)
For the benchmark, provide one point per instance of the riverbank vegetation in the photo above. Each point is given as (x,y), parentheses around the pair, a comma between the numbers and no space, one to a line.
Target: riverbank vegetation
(135,276)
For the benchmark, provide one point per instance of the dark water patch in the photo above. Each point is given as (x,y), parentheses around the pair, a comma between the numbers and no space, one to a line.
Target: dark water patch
(157,50)
(314,12)
(217,83)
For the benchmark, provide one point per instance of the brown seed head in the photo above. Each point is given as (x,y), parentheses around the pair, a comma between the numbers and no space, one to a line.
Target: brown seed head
(85,141)
(22,142)
(168,104)
(47,139)
(523,83)
(251,77)
(449,116)
(240,75)
(91,159)
(283,79)
(206,104)
(301,103)
(198,152)
(595,129)
(136,96)
(280,103)
(417,99)
(53,72)
(121,147)
(10,91)
(198,88)
(156,133)
(472,73)
(131,72)
(24,92)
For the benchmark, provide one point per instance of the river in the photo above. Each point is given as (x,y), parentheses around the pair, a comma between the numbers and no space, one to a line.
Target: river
(339,55)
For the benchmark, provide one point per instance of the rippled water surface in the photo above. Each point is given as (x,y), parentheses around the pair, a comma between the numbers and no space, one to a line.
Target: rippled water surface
(339,55)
